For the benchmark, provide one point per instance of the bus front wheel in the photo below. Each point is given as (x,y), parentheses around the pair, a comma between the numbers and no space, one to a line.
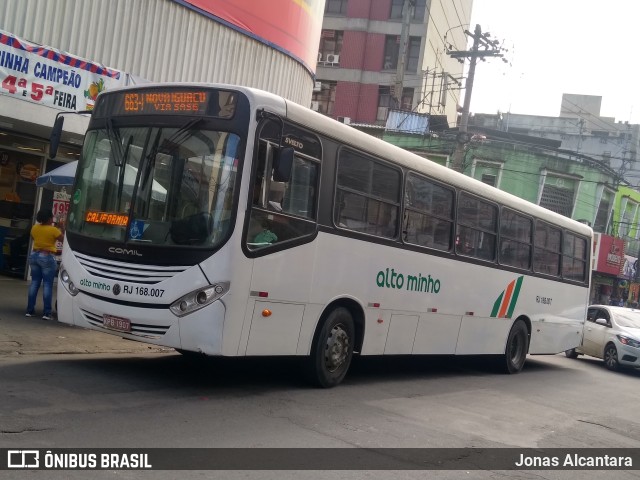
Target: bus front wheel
(332,349)
(516,349)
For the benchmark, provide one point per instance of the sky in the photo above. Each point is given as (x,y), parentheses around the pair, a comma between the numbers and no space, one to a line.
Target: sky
(587,47)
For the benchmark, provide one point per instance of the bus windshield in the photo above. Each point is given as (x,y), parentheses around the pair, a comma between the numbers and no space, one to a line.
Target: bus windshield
(158,185)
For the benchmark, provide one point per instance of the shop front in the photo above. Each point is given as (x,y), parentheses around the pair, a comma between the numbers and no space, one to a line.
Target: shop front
(607,283)
(37,83)
(22,160)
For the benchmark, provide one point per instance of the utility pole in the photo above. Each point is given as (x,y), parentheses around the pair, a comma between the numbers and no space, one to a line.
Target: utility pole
(407,13)
(482,47)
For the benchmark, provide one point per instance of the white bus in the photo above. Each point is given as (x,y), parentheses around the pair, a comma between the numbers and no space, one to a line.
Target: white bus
(231,222)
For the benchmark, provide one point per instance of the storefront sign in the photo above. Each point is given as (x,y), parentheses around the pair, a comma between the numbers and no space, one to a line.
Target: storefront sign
(609,254)
(46,76)
(60,209)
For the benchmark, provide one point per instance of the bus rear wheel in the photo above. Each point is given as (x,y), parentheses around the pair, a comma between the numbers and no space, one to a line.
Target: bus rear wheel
(332,349)
(515,352)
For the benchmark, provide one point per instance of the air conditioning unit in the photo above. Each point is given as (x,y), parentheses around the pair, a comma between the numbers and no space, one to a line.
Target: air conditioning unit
(345,120)
(333,58)
(315,105)
(319,56)
(317,86)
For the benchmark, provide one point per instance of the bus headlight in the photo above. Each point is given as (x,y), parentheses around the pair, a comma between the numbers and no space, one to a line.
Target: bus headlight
(65,279)
(198,299)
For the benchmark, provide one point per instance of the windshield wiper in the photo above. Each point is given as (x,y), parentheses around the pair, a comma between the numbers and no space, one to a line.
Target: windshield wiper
(114,137)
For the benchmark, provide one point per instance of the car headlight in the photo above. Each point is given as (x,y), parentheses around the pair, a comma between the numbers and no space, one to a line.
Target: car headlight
(628,341)
(199,299)
(65,279)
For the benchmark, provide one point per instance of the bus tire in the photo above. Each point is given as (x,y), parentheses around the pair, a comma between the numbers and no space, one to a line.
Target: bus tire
(515,352)
(332,350)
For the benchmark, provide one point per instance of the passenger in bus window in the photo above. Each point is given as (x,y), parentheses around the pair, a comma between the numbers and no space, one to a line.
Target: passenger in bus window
(266,235)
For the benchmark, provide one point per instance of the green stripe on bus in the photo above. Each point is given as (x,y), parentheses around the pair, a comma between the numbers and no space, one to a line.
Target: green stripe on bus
(514,297)
(496,306)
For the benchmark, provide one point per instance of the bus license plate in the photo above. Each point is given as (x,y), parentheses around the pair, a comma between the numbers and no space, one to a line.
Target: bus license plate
(116,323)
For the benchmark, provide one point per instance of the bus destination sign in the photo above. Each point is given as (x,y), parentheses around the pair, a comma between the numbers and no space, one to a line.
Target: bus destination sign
(107,218)
(172,101)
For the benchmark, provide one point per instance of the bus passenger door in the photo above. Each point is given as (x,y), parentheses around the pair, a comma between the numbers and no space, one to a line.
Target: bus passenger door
(281,225)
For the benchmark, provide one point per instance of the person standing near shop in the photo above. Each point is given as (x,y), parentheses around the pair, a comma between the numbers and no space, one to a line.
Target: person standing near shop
(43,262)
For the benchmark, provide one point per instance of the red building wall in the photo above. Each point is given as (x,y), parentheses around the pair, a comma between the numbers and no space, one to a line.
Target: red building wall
(380,10)
(368,105)
(347,95)
(374,53)
(371,9)
(352,54)
(359,9)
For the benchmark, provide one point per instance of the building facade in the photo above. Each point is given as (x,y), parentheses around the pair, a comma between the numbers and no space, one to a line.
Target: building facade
(377,55)
(581,129)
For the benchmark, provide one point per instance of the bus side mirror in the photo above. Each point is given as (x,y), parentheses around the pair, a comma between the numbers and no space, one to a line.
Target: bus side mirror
(56,133)
(283,164)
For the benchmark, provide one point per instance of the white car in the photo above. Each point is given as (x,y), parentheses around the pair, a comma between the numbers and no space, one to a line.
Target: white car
(612,334)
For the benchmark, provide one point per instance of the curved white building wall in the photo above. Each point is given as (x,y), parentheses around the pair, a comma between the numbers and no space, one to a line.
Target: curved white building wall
(157,40)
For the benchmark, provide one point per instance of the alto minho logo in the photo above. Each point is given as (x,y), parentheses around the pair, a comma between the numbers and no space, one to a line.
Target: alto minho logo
(389,278)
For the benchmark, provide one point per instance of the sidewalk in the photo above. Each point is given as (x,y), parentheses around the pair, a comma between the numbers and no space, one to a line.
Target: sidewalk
(20,335)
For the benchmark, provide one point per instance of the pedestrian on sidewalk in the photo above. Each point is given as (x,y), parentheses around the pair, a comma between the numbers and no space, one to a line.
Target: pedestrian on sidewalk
(43,262)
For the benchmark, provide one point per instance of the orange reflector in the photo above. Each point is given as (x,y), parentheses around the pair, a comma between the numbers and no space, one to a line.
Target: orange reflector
(266,312)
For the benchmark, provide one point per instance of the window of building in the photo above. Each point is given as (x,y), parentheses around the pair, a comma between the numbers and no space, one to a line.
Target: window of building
(489,179)
(325,98)
(336,7)
(406,101)
(629,211)
(604,210)
(330,46)
(428,213)
(392,52)
(386,100)
(367,195)
(397,9)
(487,172)
(384,103)
(558,194)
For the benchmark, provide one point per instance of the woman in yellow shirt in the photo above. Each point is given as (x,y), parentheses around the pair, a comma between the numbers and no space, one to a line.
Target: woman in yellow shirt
(42,261)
